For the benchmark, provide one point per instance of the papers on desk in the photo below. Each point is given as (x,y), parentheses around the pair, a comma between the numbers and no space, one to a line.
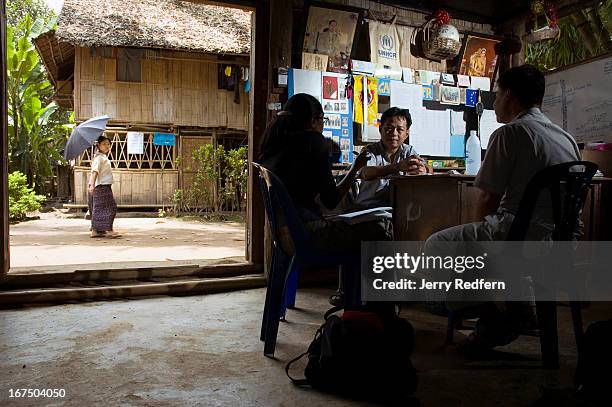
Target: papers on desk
(365,215)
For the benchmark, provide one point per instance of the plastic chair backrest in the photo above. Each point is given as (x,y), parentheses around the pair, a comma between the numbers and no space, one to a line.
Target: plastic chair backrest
(279,205)
(576,177)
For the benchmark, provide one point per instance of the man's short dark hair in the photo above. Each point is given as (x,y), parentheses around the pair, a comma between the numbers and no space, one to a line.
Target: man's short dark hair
(526,82)
(396,111)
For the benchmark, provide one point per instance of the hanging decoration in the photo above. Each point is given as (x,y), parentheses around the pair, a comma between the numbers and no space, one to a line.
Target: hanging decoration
(440,39)
(536,32)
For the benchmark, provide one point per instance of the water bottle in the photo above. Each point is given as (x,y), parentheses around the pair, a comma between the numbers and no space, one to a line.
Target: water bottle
(472,154)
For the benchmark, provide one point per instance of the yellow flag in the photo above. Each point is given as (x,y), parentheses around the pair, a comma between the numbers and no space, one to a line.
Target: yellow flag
(358,99)
(372,101)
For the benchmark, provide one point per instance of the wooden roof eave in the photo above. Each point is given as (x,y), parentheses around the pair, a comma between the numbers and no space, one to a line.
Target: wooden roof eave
(54,61)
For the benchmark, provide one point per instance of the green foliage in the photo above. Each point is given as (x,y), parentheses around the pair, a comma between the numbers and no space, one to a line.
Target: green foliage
(569,47)
(219,184)
(37,129)
(17,10)
(22,199)
(235,177)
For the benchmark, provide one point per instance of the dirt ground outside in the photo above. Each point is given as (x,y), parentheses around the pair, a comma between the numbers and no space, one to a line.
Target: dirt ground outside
(59,241)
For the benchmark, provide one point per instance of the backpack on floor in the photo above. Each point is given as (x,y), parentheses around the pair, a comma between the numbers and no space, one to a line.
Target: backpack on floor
(361,355)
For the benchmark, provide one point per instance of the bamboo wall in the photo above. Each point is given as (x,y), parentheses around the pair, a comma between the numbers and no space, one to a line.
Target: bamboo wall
(132,188)
(180,92)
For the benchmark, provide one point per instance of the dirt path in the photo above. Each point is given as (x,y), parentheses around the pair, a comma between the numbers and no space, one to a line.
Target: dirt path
(58,239)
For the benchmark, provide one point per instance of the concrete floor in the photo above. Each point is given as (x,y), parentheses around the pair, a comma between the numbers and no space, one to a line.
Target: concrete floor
(205,350)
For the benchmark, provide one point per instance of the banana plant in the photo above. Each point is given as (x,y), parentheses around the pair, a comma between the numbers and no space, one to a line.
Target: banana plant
(36,129)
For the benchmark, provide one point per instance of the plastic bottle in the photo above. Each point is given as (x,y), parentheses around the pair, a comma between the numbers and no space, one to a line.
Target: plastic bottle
(472,154)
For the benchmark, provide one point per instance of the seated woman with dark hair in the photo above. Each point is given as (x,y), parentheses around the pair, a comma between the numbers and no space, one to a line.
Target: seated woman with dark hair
(296,151)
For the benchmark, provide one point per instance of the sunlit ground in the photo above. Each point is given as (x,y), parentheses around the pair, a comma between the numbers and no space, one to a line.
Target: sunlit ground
(56,239)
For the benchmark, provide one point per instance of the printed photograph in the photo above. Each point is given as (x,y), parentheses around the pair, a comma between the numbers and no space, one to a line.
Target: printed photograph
(478,58)
(450,95)
(331,32)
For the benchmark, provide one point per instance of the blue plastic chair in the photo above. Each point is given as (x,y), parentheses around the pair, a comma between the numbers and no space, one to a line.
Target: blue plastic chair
(284,267)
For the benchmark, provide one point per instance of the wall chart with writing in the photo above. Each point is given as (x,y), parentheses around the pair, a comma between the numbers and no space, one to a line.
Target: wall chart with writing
(579,99)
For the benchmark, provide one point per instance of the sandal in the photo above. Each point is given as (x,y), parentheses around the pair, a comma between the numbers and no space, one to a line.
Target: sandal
(95,233)
(112,235)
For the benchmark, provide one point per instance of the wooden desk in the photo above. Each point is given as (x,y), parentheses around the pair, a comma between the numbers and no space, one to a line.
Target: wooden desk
(425,204)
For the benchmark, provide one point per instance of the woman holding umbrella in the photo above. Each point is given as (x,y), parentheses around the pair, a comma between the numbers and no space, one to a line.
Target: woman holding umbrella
(104,207)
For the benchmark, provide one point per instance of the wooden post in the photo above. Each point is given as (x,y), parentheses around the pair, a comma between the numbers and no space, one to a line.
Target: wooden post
(4,212)
(258,96)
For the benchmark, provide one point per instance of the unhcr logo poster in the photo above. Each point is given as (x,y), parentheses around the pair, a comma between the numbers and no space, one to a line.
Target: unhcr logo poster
(387,47)
(384,40)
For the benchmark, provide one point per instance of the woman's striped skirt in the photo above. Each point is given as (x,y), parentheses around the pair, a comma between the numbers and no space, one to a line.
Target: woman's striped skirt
(104,209)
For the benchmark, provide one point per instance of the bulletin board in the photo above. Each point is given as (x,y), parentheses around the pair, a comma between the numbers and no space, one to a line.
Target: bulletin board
(329,88)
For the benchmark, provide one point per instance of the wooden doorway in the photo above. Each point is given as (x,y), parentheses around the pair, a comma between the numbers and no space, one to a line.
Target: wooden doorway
(258,119)
(4,238)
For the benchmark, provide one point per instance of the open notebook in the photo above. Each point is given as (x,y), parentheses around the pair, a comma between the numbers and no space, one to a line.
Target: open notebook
(365,215)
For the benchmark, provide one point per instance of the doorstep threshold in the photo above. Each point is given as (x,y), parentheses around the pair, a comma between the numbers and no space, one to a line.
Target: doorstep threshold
(195,286)
(139,272)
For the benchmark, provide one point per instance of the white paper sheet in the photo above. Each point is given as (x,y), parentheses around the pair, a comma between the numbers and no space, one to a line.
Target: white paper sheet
(463,80)
(309,82)
(427,77)
(135,142)
(430,132)
(488,124)
(365,215)
(480,82)
(408,75)
(406,96)
(457,123)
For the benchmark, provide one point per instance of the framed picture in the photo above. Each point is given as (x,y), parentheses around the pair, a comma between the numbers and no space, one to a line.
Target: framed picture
(314,62)
(331,32)
(477,56)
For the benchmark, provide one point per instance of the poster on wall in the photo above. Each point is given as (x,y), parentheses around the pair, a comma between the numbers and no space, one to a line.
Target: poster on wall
(338,120)
(384,45)
(135,142)
(331,32)
(358,98)
(478,56)
(331,90)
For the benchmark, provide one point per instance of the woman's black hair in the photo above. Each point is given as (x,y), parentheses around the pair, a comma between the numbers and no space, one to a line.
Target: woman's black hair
(299,111)
(102,138)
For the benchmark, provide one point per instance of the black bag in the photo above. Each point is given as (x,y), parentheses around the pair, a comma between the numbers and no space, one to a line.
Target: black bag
(363,358)
(592,376)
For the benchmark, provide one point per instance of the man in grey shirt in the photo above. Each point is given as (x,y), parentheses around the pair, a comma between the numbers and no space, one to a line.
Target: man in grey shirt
(390,156)
(527,143)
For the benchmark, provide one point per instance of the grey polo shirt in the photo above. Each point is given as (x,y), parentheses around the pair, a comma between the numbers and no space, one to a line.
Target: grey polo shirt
(374,193)
(516,152)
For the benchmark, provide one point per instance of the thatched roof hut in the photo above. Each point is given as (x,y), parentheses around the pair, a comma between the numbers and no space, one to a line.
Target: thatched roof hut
(170,24)
(175,25)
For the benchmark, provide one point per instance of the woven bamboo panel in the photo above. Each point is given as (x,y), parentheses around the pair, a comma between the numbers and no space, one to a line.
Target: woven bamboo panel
(153,157)
(171,91)
(130,188)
